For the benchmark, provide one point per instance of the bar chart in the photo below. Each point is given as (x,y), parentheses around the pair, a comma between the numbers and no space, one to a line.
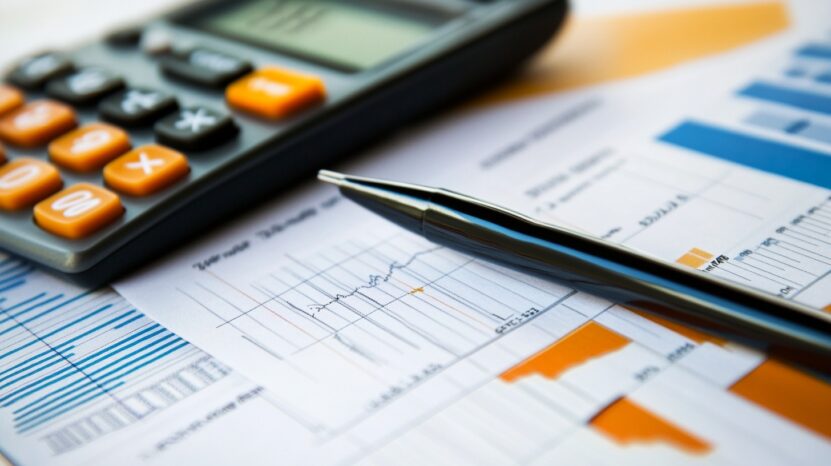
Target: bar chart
(551,407)
(798,106)
(77,365)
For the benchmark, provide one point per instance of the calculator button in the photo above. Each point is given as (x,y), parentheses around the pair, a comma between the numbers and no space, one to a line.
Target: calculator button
(127,37)
(84,86)
(137,107)
(146,170)
(89,147)
(78,211)
(25,181)
(10,99)
(156,42)
(274,92)
(195,128)
(35,71)
(204,67)
(36,123)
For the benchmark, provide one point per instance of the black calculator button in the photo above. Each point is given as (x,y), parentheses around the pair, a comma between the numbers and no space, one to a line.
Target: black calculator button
(127,37)
(84,86)
(137,107)
(35,71)
(204,67)
(195,128)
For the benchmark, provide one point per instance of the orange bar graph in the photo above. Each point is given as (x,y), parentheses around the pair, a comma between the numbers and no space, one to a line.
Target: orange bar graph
(592,340)
(695,258)
(593,50)
(790,393)
(626,423)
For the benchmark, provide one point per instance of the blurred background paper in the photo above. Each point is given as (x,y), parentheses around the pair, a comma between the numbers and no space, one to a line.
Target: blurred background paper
(598,46)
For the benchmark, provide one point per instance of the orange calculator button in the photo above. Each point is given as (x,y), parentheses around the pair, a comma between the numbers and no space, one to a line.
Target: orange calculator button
(274,92)
(78,211)
(89,147)
(10,98)
(36,123)
(145,170)
(25,181)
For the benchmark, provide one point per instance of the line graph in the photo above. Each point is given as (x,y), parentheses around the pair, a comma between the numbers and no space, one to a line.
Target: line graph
(76,365)
(386,314)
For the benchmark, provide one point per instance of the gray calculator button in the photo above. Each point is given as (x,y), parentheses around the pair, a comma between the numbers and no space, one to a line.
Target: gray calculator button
(33,72)
(84,86)
(137,107)
(195,128)
(204,67)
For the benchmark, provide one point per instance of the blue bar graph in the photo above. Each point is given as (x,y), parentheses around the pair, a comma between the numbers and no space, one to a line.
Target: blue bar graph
(818,51)
(770,156)
(63,350)
(800,127)
(801,99)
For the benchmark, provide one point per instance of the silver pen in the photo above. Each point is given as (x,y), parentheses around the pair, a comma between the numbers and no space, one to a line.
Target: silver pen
(785,329)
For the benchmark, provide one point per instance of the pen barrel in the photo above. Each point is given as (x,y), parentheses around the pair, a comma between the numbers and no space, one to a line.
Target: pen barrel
(780,327)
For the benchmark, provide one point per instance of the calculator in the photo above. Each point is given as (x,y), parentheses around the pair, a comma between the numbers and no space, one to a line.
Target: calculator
(118,150)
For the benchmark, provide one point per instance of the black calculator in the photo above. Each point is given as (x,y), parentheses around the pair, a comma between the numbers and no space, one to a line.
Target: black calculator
(118,150)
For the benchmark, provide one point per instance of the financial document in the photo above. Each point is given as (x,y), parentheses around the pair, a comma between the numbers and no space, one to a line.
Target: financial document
(386,348)
(87,378)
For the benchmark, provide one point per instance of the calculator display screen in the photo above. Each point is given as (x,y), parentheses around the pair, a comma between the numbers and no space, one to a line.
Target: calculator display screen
(352,35)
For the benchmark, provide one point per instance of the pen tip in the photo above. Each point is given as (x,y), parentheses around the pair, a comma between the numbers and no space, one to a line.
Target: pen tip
(329,176)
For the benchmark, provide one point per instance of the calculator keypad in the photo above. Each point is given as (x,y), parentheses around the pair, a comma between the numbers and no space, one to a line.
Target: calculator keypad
(146,170)
(84,208)
(137,107)
(84,86)
(78,211)
(195,128)
(89,147)
(37,123)
(25,181)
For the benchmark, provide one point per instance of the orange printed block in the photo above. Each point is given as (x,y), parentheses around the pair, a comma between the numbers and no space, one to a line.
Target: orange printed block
(78,211)
(10,99)
(789,392)
(146,170)
(36,123)
(695,258)
(25,181)
(600,48)
(589,341)
(90,147)
(275,92)
(625,423)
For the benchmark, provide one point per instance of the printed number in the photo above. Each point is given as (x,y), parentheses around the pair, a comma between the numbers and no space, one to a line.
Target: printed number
(75,204)
(90,141)
(19,176)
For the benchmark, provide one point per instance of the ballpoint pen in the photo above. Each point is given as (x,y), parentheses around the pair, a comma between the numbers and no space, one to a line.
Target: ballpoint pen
(784,328)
